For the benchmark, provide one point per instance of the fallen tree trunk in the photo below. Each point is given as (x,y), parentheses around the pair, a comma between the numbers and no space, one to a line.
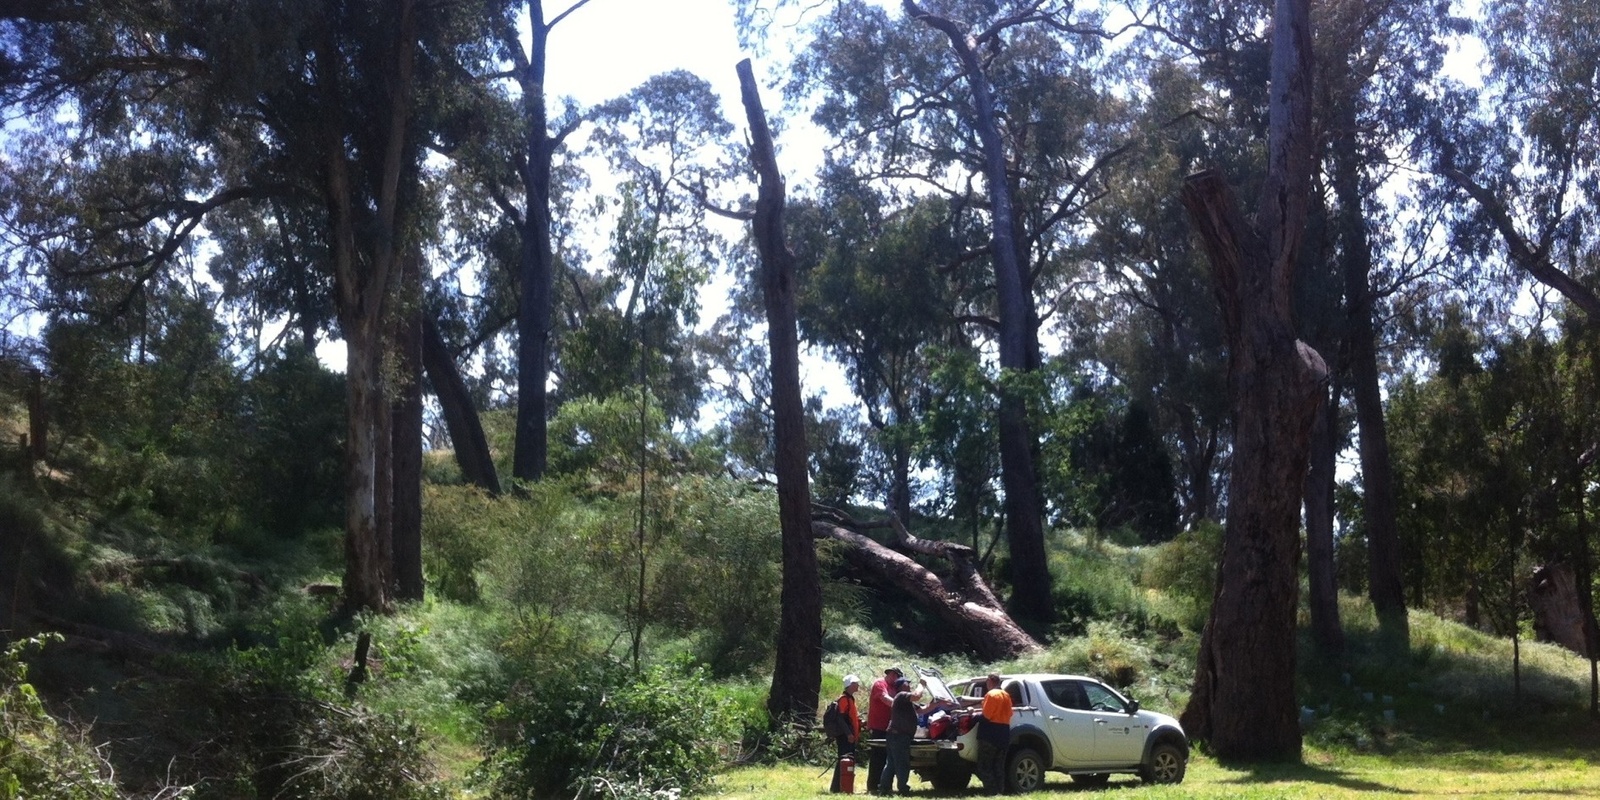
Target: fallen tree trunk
(963,601)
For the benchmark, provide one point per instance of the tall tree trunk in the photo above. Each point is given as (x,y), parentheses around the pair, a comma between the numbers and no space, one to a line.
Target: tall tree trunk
(1030,574)
(13,543)
(1559,603)
(1384,583)
(1322,583)
(900,492)
(1198,461)
(38,429)
(460,415)
(536,261)
(383,471)
(405,415)
(1243,702)
(797,675)
(365,274)
(366,571)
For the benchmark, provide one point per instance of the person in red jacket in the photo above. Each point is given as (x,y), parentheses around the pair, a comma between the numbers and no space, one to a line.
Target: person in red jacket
(847,743)
(879,702)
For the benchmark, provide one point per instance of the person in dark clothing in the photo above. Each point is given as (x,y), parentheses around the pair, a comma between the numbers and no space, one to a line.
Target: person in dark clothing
(847,743)
(902,726)
(878,703)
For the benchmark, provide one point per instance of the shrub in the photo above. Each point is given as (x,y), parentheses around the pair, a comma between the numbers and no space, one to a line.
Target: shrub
(38,756)
(1106,651)
(454,546)
(596,727)
(1185,569)
(539,562)
(283,727)
(718,573)
(1093,583)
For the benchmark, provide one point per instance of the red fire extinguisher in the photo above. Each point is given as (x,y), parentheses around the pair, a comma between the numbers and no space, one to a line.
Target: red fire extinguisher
(847,774)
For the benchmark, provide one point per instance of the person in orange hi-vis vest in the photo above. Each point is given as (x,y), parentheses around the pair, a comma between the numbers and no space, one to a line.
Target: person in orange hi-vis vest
(994,737)
(847,743)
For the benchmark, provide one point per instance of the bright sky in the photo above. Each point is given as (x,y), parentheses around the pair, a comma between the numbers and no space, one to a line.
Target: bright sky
(608,47)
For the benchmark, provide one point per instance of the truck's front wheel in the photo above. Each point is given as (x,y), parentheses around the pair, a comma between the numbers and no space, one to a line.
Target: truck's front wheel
(1167,764)
(1024,770)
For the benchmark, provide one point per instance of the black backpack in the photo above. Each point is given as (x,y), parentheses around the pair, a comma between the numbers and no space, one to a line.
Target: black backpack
(833,721)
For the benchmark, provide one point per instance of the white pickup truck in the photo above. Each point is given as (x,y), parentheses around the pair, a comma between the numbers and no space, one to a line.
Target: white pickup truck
(1070,724)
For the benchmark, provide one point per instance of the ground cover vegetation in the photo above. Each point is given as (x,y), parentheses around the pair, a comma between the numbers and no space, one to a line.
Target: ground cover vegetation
(1313,471)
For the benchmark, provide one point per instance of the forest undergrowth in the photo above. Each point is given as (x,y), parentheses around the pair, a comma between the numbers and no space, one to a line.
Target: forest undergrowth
(193,667)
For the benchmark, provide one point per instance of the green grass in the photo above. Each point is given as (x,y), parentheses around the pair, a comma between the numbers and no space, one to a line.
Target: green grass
(1475,773)
(1460,728)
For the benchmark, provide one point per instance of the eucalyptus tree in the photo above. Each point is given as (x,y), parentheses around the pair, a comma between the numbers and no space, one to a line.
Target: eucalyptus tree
(664,144)
(797,675)
(508,140)
(513,185)
(1522,151)
(1153,324)
(999,110)
(873,297)
(176,113)
(1211,89)
(1244,701)
(1375,63)
(631,332)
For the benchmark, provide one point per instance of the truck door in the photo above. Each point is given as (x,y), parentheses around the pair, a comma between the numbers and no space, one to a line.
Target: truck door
(1027,710)
(1069,722)
(1118,736)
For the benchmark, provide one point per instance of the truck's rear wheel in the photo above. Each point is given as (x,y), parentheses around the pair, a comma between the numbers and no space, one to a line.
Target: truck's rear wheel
(1024,770)
(950,778)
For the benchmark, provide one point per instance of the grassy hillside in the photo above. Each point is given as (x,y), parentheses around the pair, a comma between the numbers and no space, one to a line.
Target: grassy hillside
(204,664)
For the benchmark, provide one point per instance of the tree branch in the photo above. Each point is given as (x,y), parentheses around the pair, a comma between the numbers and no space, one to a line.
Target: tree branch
(563,15)
(700,196)
(1533,259)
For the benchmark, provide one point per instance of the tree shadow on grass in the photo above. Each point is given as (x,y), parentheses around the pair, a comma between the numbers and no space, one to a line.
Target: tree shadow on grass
(1257,774)
(1306,773)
